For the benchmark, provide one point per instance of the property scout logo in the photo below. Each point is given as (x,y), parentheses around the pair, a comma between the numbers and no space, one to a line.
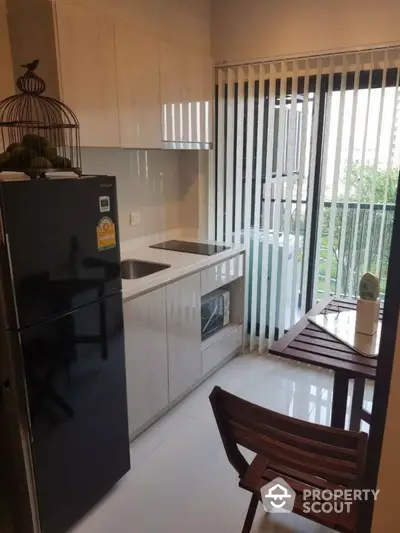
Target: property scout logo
(278,497)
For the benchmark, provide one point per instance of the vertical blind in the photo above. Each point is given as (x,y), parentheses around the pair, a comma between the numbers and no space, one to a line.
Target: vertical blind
(360,160)
(305,148)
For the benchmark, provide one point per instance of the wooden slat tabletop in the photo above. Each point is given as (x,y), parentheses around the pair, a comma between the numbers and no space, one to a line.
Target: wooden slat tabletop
(308,343)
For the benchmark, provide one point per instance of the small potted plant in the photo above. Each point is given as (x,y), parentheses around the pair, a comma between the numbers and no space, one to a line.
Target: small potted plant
(368,305)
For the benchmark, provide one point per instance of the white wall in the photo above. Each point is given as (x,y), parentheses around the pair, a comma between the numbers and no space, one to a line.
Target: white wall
(185,21)
(6,74)
(168,188)
(194,169)
(6,71)
(255,29)
(385,513)
(148,181)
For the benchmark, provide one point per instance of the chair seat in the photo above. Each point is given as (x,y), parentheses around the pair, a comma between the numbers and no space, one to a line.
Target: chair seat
(261,471)
(306,455)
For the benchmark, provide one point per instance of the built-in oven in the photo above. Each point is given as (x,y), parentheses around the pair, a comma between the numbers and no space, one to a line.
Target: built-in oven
(215,312)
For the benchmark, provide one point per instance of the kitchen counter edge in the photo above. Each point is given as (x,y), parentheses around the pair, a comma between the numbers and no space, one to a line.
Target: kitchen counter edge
(133,288)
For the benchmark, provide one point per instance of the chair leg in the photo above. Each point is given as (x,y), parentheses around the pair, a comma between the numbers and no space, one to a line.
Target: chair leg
(250,514)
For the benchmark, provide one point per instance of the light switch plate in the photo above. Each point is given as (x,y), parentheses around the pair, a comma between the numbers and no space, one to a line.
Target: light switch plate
(134,218)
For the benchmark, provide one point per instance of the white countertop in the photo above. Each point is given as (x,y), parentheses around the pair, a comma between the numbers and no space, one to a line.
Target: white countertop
(182,264)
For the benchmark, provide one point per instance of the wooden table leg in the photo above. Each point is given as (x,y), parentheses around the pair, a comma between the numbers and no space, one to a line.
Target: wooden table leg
(357,403)
(339,401)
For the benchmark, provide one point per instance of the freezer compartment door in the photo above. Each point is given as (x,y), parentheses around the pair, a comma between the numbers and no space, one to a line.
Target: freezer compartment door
(75,374)
(61,239)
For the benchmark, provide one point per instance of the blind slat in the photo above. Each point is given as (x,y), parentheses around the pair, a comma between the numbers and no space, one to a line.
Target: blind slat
(310,191)
(267,206)
(288,206)
(348,177)
(302,171)
(336,178)
(249,179)
(357,218)
(316,266)
(257,202)
(277,205)
(230,104)
(239,154)
(367,261)
(388,168)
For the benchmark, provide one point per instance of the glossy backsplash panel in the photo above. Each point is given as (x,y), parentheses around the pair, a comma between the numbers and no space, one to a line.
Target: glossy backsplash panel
(148,181)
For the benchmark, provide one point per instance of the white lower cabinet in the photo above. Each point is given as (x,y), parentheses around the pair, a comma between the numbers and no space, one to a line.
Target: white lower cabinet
(183,334)
(165,356)
(146,357)
(214,354)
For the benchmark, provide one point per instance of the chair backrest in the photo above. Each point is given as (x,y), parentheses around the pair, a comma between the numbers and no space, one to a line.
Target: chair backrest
(336,455)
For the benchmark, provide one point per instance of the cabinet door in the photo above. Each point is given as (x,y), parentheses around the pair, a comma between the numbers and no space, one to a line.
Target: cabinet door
(202,96)
(138,86)
(172,81)
(86,57)
(184,334)
(186,94)
(146,357)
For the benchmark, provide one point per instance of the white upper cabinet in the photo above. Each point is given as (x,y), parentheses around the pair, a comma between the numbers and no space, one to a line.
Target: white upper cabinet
(141,78)
(87,70)
(172,63)
(186,81)
(138,86)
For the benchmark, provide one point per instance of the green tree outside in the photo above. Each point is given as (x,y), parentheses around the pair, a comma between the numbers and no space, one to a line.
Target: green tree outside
(361,189)
(361,181)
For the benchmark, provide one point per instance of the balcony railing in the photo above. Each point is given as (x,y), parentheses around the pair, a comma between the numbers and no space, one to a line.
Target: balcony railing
(355,248)
(356,251)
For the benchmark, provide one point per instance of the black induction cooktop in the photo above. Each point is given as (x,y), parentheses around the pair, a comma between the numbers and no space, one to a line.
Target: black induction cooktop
(191,247)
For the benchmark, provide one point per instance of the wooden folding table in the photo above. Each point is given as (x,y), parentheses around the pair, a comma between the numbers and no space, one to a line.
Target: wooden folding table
(310,344)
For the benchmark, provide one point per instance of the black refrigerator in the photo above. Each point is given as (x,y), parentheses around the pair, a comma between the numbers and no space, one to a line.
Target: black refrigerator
(63,399)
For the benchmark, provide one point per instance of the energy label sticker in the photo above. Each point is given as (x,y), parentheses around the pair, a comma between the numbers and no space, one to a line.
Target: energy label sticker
(106,234)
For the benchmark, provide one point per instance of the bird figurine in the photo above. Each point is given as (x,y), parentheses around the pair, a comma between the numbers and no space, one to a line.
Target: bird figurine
(31,66)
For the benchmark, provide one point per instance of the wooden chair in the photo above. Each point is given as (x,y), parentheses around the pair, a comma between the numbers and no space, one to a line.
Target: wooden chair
(305,455)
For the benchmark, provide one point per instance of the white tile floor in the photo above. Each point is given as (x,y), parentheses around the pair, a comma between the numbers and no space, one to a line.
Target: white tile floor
(181,481)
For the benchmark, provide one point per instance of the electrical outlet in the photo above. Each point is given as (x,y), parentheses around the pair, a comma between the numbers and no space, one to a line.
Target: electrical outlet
(134,218)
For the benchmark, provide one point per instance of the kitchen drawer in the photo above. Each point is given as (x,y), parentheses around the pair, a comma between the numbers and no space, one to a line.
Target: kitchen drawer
(221,349)
(218,275)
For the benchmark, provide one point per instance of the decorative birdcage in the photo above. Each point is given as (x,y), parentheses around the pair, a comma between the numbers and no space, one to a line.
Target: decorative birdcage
(38,134)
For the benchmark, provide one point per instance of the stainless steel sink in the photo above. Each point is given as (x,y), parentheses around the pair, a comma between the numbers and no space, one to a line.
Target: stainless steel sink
(135,269)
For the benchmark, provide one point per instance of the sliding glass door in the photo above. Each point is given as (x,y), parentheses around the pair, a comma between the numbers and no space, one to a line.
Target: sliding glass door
(360,162)
(305,173)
